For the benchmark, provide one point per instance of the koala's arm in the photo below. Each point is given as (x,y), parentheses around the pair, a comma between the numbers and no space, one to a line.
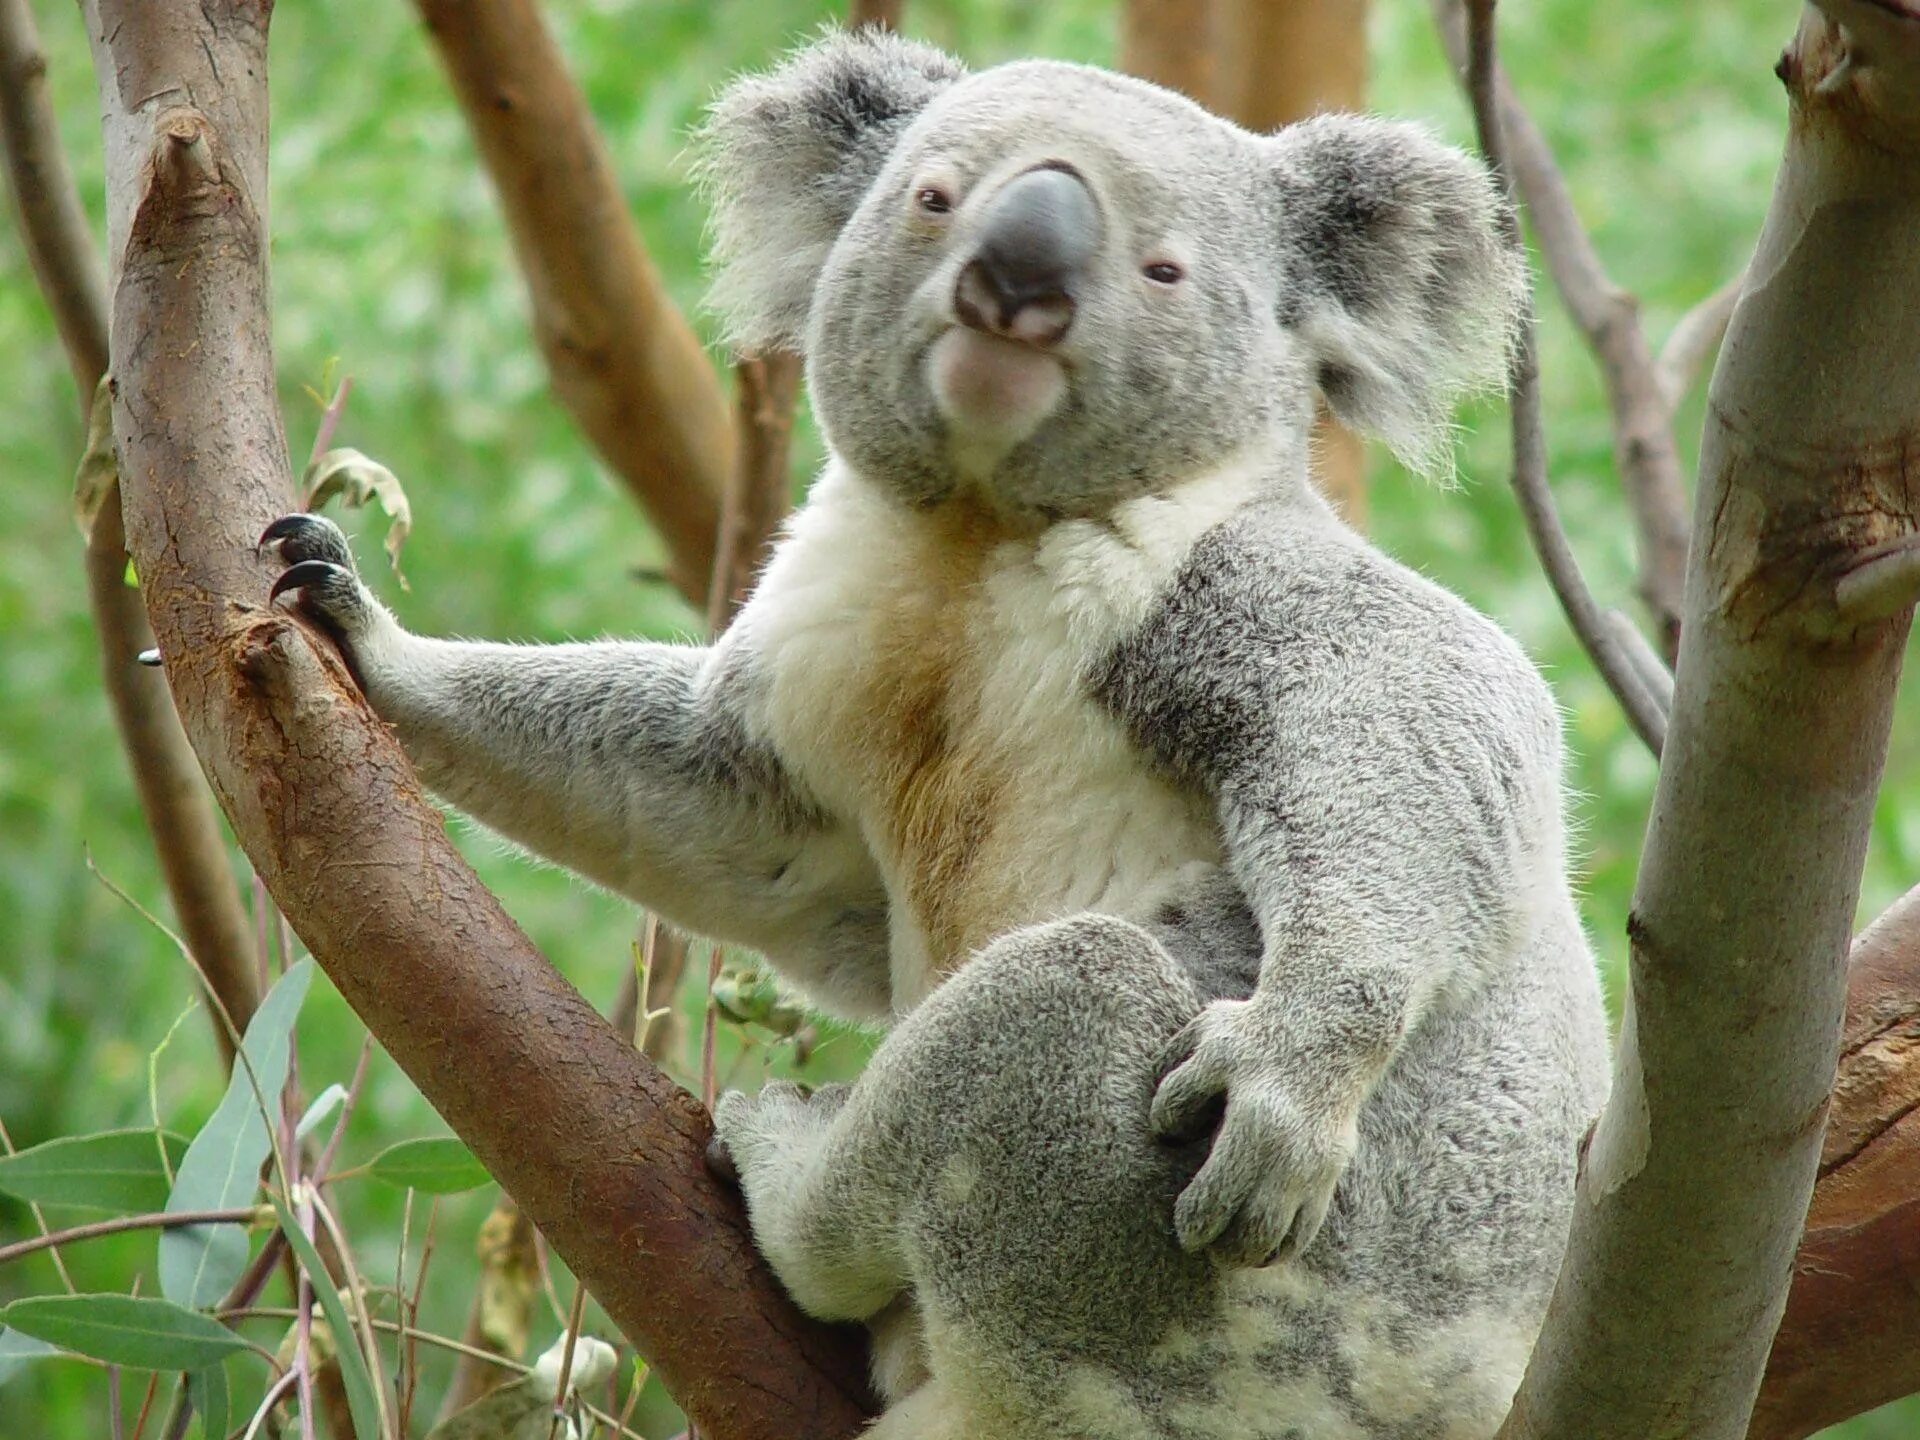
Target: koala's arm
(1385,765)
(631,763)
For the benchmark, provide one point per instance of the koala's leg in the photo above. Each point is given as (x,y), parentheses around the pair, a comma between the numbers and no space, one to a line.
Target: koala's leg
(630,763)
(996,1159)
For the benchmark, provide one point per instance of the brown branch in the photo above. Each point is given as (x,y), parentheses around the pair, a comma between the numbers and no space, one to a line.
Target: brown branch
(1850,1339)
(173,798)
(1617,664)
(120,1224)
(600,1149)
(1701,1169)
(758,490)
(1644,451)
(624,361)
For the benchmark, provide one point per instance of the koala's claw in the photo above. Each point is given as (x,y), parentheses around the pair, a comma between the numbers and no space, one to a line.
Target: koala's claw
(321,573)
(308,573)
(305,536)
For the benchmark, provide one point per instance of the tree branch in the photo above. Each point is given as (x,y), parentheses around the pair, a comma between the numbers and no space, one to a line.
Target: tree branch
(1694,338)
(602,1151)
(173,797)
(1619,666)
(624,362)
(1644,451)
(1850,1339)
(1700,1170)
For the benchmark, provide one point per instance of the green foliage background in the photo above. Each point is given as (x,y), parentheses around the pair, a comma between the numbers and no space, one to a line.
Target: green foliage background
(390,263)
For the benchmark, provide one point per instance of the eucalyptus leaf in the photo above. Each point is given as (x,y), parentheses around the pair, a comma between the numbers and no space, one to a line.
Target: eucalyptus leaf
(359,481)
(438,1166)
(142,1332)
(116,1171)
(212,1400)
(221,1169)
(354,1375)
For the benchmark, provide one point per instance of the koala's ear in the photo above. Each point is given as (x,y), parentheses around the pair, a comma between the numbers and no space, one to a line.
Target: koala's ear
(1400,271)
(788,155)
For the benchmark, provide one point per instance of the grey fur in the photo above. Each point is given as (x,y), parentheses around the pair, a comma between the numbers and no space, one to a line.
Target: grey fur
(1354,1027)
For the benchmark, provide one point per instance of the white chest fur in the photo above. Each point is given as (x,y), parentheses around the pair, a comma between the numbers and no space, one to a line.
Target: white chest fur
(928,682)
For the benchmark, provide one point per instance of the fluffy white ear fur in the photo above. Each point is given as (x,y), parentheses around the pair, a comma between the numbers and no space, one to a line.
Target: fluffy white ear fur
(1401,274)
(785,158)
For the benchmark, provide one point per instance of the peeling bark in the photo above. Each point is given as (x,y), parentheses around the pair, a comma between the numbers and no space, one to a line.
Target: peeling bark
(1850,1339)
(325,804)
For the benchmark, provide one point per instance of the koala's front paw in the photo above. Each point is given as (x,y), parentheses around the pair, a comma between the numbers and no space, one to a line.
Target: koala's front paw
(1281,1146)
(755,1133)
(321,571)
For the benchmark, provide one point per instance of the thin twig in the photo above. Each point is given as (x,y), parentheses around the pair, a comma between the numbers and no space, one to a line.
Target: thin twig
(146,1405)
(1645,454)
(357,1294)
(574,1314)
(1529,436)
(120,1224)
(1694,338)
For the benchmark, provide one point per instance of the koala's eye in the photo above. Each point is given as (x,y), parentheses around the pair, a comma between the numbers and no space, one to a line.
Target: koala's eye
(932,200)
(1164,272)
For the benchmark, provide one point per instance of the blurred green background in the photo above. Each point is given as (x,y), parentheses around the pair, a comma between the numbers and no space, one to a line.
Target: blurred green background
(390,264)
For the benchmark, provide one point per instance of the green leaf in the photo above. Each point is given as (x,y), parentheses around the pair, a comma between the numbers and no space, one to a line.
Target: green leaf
(221,1169)
(118,1171)
(440,1166)
(212,1400)
(140,1332)
(346,1340)
(16,1350)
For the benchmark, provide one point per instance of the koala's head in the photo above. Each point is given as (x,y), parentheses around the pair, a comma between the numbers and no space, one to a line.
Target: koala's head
(1062,287)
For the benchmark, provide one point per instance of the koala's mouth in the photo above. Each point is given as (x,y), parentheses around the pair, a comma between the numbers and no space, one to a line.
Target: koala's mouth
(993,391)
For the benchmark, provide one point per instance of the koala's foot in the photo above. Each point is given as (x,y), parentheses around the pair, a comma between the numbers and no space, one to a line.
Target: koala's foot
(754,1133)
(322,575)
(1281,1146)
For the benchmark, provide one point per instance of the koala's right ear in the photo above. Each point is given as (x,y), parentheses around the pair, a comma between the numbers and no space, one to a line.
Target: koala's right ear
(788,155)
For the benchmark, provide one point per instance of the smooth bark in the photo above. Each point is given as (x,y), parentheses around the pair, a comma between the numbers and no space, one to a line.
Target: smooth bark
(1700,1170)
(327,807)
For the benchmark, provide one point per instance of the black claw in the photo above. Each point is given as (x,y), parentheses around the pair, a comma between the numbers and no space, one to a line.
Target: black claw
(282,528)
(307,572)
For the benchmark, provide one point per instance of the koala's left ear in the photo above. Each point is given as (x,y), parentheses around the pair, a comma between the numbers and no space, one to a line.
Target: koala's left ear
(786,158)
(1399,271)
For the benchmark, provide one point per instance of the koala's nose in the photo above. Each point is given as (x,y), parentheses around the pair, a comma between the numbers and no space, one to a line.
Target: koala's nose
(1036,241)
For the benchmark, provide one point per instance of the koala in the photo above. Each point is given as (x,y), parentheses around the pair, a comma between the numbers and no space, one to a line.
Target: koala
(1207,867)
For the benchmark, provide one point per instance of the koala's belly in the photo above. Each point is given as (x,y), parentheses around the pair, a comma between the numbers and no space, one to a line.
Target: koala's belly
(984,841)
